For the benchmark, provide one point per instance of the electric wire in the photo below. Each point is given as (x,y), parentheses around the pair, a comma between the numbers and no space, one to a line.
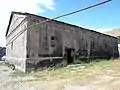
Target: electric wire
(47,20)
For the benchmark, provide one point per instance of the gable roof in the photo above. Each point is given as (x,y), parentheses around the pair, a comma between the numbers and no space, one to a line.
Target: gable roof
(20,13)
(10,20)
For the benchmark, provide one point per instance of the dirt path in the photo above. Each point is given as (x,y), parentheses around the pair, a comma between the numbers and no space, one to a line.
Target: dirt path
(103,82)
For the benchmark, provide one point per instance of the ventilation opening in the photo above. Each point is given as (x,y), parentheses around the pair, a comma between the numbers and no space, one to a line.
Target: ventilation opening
(69,55)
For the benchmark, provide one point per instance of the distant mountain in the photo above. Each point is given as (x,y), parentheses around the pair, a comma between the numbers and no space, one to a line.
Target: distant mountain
(114,32)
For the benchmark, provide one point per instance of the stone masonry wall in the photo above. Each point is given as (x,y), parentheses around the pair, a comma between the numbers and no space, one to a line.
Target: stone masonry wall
(45,45)
(16,48)
(51,39)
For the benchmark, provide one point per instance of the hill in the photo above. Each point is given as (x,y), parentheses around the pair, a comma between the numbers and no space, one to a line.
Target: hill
(114,32)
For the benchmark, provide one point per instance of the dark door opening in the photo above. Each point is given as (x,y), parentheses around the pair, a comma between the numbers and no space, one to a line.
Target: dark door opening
(69,55)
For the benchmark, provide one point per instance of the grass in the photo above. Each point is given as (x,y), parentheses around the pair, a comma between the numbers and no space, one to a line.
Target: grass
(2,63)
(75,73)
(19,73)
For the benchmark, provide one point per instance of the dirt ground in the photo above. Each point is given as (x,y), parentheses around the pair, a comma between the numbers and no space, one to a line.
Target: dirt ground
(109,80)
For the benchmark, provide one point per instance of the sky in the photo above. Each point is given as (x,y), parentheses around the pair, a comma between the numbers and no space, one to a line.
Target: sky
(102,18)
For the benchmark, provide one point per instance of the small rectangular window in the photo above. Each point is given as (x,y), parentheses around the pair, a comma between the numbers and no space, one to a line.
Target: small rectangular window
(37,21)
(11,45)
(52,38)
(52,41)
(27,56)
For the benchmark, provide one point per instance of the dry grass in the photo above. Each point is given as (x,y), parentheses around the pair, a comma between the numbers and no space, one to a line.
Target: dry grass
(103,75)
(77,74)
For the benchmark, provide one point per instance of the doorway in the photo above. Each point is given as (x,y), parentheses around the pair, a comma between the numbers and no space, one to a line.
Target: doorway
(69,55)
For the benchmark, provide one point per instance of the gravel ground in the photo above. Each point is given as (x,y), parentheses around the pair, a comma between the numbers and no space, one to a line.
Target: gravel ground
(7,82)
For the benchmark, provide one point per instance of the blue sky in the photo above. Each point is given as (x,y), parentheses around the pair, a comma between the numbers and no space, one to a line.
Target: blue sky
(101,18)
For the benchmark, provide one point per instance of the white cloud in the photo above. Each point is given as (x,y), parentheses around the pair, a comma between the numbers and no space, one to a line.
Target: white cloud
(30,6)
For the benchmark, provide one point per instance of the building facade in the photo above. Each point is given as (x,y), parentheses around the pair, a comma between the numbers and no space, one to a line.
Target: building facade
(115,33)
(53,43)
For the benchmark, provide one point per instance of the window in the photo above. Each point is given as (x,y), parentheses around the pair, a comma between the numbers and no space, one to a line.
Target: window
(37,21)
(27,56)
(52,41)
(11,45)
(52,38)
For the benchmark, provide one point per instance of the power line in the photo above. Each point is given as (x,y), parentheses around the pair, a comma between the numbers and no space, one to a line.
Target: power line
(47,20)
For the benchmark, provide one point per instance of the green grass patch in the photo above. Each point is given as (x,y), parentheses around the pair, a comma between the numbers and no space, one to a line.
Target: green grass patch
(2,63)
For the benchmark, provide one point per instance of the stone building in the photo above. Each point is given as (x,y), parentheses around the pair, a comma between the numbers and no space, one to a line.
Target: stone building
(53,43)
(115,33)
